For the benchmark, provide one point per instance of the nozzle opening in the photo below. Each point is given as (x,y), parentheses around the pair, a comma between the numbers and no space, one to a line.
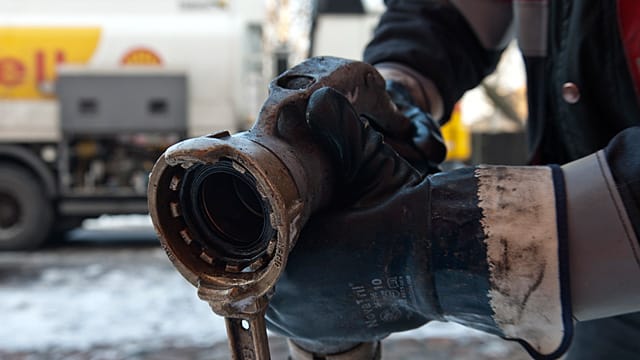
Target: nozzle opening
(295,82)
(228,214)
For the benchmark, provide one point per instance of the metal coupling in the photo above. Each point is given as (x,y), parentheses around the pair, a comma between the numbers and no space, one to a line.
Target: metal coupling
(228,208)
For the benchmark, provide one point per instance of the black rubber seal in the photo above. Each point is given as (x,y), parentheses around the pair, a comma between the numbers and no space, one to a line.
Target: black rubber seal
(248,237)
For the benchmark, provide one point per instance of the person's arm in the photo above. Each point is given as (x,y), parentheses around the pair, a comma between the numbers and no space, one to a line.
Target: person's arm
(521,252)
(603,221)
(430,52)
(439,49)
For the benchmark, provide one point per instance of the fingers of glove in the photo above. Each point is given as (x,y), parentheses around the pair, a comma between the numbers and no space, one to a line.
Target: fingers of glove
(399,94)
(367,166)
(427,138)
(413,133)
(397,126)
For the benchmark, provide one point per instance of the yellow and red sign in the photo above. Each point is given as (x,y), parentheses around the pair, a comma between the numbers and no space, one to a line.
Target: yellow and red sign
(29,56)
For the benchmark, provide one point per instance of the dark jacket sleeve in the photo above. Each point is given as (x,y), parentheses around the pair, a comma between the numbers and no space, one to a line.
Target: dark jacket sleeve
(434,39)
(623,156)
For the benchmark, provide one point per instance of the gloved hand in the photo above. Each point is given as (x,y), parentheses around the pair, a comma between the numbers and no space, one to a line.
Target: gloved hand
(415,135)
(397,249)
(348,281)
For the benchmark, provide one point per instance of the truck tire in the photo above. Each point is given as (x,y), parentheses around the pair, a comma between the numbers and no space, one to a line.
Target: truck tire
(26,214)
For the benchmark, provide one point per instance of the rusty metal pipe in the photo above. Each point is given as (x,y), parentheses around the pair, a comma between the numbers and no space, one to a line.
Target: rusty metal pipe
(228,208)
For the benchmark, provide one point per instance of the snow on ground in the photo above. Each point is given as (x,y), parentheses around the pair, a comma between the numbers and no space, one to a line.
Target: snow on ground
(126,296)
(79,297)
(90,302)
(120,222)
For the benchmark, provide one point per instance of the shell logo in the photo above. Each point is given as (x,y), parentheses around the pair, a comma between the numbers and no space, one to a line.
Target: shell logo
(12,71)
(141,56)
(29,57)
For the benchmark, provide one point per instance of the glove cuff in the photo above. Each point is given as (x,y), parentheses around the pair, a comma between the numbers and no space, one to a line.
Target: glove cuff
(499,254)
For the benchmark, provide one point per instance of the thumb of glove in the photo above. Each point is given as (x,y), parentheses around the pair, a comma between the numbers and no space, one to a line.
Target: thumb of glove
(367,168)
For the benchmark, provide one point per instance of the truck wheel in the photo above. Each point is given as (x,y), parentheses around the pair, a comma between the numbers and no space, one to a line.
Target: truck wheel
(25,212)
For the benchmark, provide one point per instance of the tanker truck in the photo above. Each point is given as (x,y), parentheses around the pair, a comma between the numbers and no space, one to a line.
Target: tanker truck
(92,92)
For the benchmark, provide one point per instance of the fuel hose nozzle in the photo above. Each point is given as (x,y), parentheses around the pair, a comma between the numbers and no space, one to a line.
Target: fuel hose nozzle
(228,208)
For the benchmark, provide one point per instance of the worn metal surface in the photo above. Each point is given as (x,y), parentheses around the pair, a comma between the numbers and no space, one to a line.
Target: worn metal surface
(289,177)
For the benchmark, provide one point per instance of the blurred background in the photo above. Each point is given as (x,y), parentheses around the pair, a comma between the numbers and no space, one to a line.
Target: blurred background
(93,91)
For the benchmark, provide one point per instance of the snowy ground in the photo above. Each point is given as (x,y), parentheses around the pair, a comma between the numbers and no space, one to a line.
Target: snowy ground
(114,295)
